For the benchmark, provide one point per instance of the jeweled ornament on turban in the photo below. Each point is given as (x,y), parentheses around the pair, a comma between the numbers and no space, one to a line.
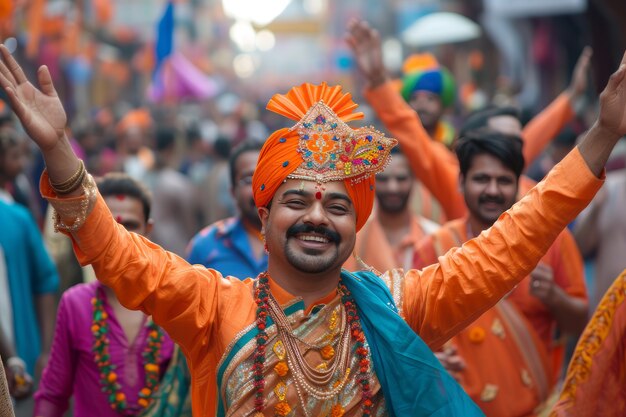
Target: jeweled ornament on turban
(322,147)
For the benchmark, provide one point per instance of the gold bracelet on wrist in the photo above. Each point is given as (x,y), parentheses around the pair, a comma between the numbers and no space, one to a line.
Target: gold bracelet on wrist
(71,214)
(72,183)
(71,187)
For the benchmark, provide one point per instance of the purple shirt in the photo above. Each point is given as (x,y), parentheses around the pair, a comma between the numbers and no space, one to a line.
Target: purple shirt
(72,371)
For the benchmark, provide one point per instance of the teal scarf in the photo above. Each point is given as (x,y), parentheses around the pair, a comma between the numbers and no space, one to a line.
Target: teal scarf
(413,381)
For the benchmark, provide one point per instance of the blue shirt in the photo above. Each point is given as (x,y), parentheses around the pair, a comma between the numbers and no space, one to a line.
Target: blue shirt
(31,273)
(224,246)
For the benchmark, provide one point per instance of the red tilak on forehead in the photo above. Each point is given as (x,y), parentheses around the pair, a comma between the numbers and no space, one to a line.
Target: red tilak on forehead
(118,218)
(319,187)
(120,197)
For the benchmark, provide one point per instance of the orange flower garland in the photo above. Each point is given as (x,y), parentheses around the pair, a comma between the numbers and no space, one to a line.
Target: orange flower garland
(108,377)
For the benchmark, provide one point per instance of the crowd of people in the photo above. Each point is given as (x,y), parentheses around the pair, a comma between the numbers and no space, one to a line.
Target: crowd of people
(436,269)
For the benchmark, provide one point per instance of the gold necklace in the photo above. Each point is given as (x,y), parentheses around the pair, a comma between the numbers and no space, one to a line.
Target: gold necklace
(307,378)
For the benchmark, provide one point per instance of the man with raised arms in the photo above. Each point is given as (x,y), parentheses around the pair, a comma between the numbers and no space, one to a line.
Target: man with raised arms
(307,338)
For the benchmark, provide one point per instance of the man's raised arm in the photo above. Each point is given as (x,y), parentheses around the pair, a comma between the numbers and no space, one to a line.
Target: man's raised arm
(143,275)
(444,298)
(432,163)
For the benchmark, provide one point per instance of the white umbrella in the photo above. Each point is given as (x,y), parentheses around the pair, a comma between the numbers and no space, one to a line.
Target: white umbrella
(438,28)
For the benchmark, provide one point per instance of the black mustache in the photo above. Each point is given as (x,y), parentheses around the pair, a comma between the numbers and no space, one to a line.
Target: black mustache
(319,230)
(487,199)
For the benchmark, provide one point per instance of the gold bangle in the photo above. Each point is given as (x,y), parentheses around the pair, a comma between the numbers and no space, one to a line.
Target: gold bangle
(71,184)
(71,187)
(72,179)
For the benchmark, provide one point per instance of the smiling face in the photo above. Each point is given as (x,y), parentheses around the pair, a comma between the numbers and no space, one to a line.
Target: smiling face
(308,230)
(489,188)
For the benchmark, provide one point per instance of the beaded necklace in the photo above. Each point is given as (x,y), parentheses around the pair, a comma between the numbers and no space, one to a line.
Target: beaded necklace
(265,308)
(108,377)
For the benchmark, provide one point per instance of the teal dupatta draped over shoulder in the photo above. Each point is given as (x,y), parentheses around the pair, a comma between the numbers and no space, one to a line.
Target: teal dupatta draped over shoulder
(413,381)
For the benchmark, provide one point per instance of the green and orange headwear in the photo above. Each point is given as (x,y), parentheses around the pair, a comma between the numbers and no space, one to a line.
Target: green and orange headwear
(423,72)
(321,147)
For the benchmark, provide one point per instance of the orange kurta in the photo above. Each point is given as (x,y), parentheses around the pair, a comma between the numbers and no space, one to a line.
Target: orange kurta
(498,387)
(203,311)
(434,164)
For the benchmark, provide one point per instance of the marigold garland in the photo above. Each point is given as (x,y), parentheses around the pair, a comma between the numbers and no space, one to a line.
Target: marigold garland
(108,377)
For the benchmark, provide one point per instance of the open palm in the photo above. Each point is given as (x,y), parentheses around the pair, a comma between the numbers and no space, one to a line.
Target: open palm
(40,111)
(613,102)
(365,44)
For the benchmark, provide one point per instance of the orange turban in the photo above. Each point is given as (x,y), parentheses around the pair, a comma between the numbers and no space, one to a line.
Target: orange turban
(321,147)
(139,118)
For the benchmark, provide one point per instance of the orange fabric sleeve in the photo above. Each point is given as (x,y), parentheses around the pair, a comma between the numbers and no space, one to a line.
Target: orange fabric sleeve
(443,298)
(432,163)
(199,309)
(184,299)
(544,127)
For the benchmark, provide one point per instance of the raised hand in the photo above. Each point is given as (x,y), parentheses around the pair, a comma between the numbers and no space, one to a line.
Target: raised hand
(40,111)
(580,76)
(612,115)
(365,43)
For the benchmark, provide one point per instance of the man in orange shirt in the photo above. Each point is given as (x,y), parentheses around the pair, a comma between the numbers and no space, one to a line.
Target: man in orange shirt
(392,232)
(435,165)
(308,337)
(520,331)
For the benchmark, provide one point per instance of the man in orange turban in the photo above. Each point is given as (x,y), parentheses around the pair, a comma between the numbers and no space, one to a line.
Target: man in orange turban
(321,147)
(306,337)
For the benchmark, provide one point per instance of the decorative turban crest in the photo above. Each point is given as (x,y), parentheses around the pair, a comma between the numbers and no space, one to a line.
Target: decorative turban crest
(321,147)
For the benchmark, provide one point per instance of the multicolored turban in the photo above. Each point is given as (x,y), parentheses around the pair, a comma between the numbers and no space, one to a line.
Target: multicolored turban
(423,73)
(321,147)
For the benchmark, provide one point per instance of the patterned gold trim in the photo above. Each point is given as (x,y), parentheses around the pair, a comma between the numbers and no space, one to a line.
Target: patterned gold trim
(333,151)
(71,214)
(592,338)
(394,279)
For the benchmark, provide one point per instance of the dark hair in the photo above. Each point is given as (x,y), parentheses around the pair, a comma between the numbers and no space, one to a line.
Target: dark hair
(248,145)
(193,134)
(117,183)
(480,118)
(222,147)
(164,138)
(506,148)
